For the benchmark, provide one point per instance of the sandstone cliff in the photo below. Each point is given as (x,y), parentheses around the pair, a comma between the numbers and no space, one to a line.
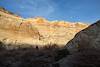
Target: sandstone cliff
(35,31)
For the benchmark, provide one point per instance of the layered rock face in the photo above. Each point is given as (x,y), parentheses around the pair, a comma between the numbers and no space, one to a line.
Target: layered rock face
(15,30)
(35,31)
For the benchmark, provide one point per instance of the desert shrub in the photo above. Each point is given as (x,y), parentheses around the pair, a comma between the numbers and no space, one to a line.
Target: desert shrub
(55,65)
(2,46)
(61,54)
(25,55)
(51,47)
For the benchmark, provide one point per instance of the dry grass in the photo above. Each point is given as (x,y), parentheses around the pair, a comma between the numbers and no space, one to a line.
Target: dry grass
(29,56)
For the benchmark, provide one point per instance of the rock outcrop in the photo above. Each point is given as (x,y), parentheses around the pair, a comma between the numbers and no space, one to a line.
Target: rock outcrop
(84,48)
(86,58)
(35,31)
(85,39)
(15,30)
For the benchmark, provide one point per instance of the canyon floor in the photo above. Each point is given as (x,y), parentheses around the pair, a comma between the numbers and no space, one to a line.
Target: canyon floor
(37,42)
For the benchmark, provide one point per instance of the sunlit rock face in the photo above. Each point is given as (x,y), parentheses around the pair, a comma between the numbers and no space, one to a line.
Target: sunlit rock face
(35,31)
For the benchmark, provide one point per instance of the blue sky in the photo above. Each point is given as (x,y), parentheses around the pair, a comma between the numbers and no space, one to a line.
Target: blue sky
(68,10)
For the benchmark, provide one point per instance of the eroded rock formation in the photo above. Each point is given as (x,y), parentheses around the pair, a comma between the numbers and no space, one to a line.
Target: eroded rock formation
(36,31)
(87,38)
(84,48)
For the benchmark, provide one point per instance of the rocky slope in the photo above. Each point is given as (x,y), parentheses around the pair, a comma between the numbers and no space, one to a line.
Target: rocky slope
(35,31)
(87,38)
(84,48)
